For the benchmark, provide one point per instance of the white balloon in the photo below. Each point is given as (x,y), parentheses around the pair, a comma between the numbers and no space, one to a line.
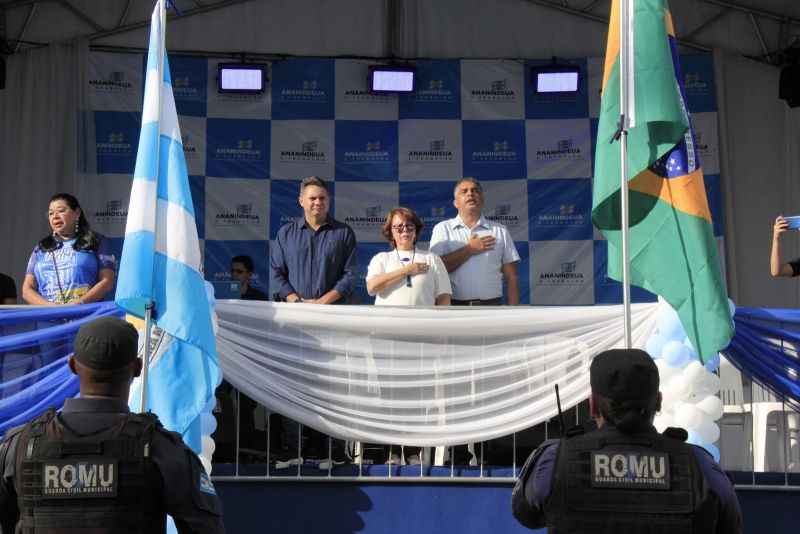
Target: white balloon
(687,415)
(694,371)
(207,446)
(206,464)
(711,406)
(708,386)
(708,431)
(680,387)
(663,421)
(668,399)
(665,371)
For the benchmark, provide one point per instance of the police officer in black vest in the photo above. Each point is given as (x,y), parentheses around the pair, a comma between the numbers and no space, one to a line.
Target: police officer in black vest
(625,477)
(95,467)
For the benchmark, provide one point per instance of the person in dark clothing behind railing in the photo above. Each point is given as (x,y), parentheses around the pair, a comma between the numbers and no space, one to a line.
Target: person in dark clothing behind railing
(625,477)
(96,467)
(8,290)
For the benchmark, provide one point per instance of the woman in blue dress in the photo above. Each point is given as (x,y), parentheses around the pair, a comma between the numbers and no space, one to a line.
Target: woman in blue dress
(73,265)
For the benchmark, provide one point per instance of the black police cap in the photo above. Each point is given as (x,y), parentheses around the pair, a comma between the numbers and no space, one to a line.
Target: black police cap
(106,343)
(624,374)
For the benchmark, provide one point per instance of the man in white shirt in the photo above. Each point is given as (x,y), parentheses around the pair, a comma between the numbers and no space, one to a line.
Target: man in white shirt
(477,253)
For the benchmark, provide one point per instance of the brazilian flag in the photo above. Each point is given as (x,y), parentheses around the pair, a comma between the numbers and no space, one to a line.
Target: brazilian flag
(672,250)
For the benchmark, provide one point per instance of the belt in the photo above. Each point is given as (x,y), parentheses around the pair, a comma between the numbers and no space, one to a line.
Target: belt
(476,302)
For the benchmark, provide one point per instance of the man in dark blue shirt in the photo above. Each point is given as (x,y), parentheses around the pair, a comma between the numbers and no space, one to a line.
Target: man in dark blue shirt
(314,260)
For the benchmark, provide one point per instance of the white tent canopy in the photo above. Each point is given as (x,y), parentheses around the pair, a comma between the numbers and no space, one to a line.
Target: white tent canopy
(403,28)
(759,154)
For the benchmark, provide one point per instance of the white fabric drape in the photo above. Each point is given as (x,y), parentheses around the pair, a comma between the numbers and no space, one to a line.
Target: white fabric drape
(40,139)
(417,376)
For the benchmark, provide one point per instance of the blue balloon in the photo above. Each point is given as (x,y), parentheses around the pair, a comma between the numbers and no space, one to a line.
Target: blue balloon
(654,345)
(712,450)
(713,363)
(693,438)
(212,302)
(692,352)
(669,324)
(676,354)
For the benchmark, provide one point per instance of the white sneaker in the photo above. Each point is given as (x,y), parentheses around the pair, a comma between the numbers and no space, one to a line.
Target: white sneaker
(288,462)
(339,458)
(329,463)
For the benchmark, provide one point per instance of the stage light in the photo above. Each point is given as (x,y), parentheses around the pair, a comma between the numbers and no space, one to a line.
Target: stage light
(392,79)
(789,82)
(248,78)
(556,79)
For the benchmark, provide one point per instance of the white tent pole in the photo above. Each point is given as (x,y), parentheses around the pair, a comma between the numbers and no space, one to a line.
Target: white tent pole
(625,122)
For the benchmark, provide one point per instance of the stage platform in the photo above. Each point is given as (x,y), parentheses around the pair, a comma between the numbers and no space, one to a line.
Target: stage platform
(471,502)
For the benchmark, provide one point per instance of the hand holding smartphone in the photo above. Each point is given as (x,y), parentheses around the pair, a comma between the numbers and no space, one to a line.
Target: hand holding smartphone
(794,222)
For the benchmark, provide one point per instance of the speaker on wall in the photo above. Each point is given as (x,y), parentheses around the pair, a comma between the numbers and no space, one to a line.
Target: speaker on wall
(789,85)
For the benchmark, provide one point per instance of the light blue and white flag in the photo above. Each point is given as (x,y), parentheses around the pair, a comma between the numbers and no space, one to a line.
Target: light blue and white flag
(161,260)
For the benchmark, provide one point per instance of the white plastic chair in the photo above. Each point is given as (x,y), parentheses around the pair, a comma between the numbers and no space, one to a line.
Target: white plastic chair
(735,422)
(762,418)
(770,416)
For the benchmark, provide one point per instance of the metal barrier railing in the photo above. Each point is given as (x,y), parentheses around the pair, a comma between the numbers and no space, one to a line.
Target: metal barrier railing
(253,453)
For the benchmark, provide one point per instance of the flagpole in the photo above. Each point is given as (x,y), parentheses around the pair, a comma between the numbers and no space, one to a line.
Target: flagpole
(624,97)
(148,310)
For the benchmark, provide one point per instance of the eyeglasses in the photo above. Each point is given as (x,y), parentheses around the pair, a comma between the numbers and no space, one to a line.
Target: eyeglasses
(61,210)
(410,227)
(238,271)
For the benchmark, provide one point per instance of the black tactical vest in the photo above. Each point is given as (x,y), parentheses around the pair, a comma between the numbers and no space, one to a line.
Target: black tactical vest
(610,482)
(99,483)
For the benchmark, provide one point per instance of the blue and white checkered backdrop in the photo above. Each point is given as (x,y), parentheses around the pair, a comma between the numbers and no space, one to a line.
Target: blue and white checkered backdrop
(247,154)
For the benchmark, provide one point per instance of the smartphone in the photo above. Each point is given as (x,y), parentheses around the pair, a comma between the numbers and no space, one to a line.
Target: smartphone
(794,222)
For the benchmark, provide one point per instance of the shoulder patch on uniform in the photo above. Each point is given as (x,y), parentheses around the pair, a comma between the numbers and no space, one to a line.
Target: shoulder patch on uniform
(630,469)
(206,486)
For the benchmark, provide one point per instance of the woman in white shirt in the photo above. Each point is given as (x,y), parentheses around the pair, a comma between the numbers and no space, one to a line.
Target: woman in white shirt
(406,276)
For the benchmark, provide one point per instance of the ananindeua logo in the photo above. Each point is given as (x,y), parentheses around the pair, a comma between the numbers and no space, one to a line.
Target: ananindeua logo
(436,216)
(243,150)
(500,153)
(372,153)
(115,145)
(435,152)
(115,82)
(565,149)
(436,91)
(114,212)
(568,275)
(307,92)
(364,95)
(189,149)
(566,216)
(502,214)
(79,479)
(309,152)
(183,90)
(243,215)
(498,91)
(372,218)
(694,84)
